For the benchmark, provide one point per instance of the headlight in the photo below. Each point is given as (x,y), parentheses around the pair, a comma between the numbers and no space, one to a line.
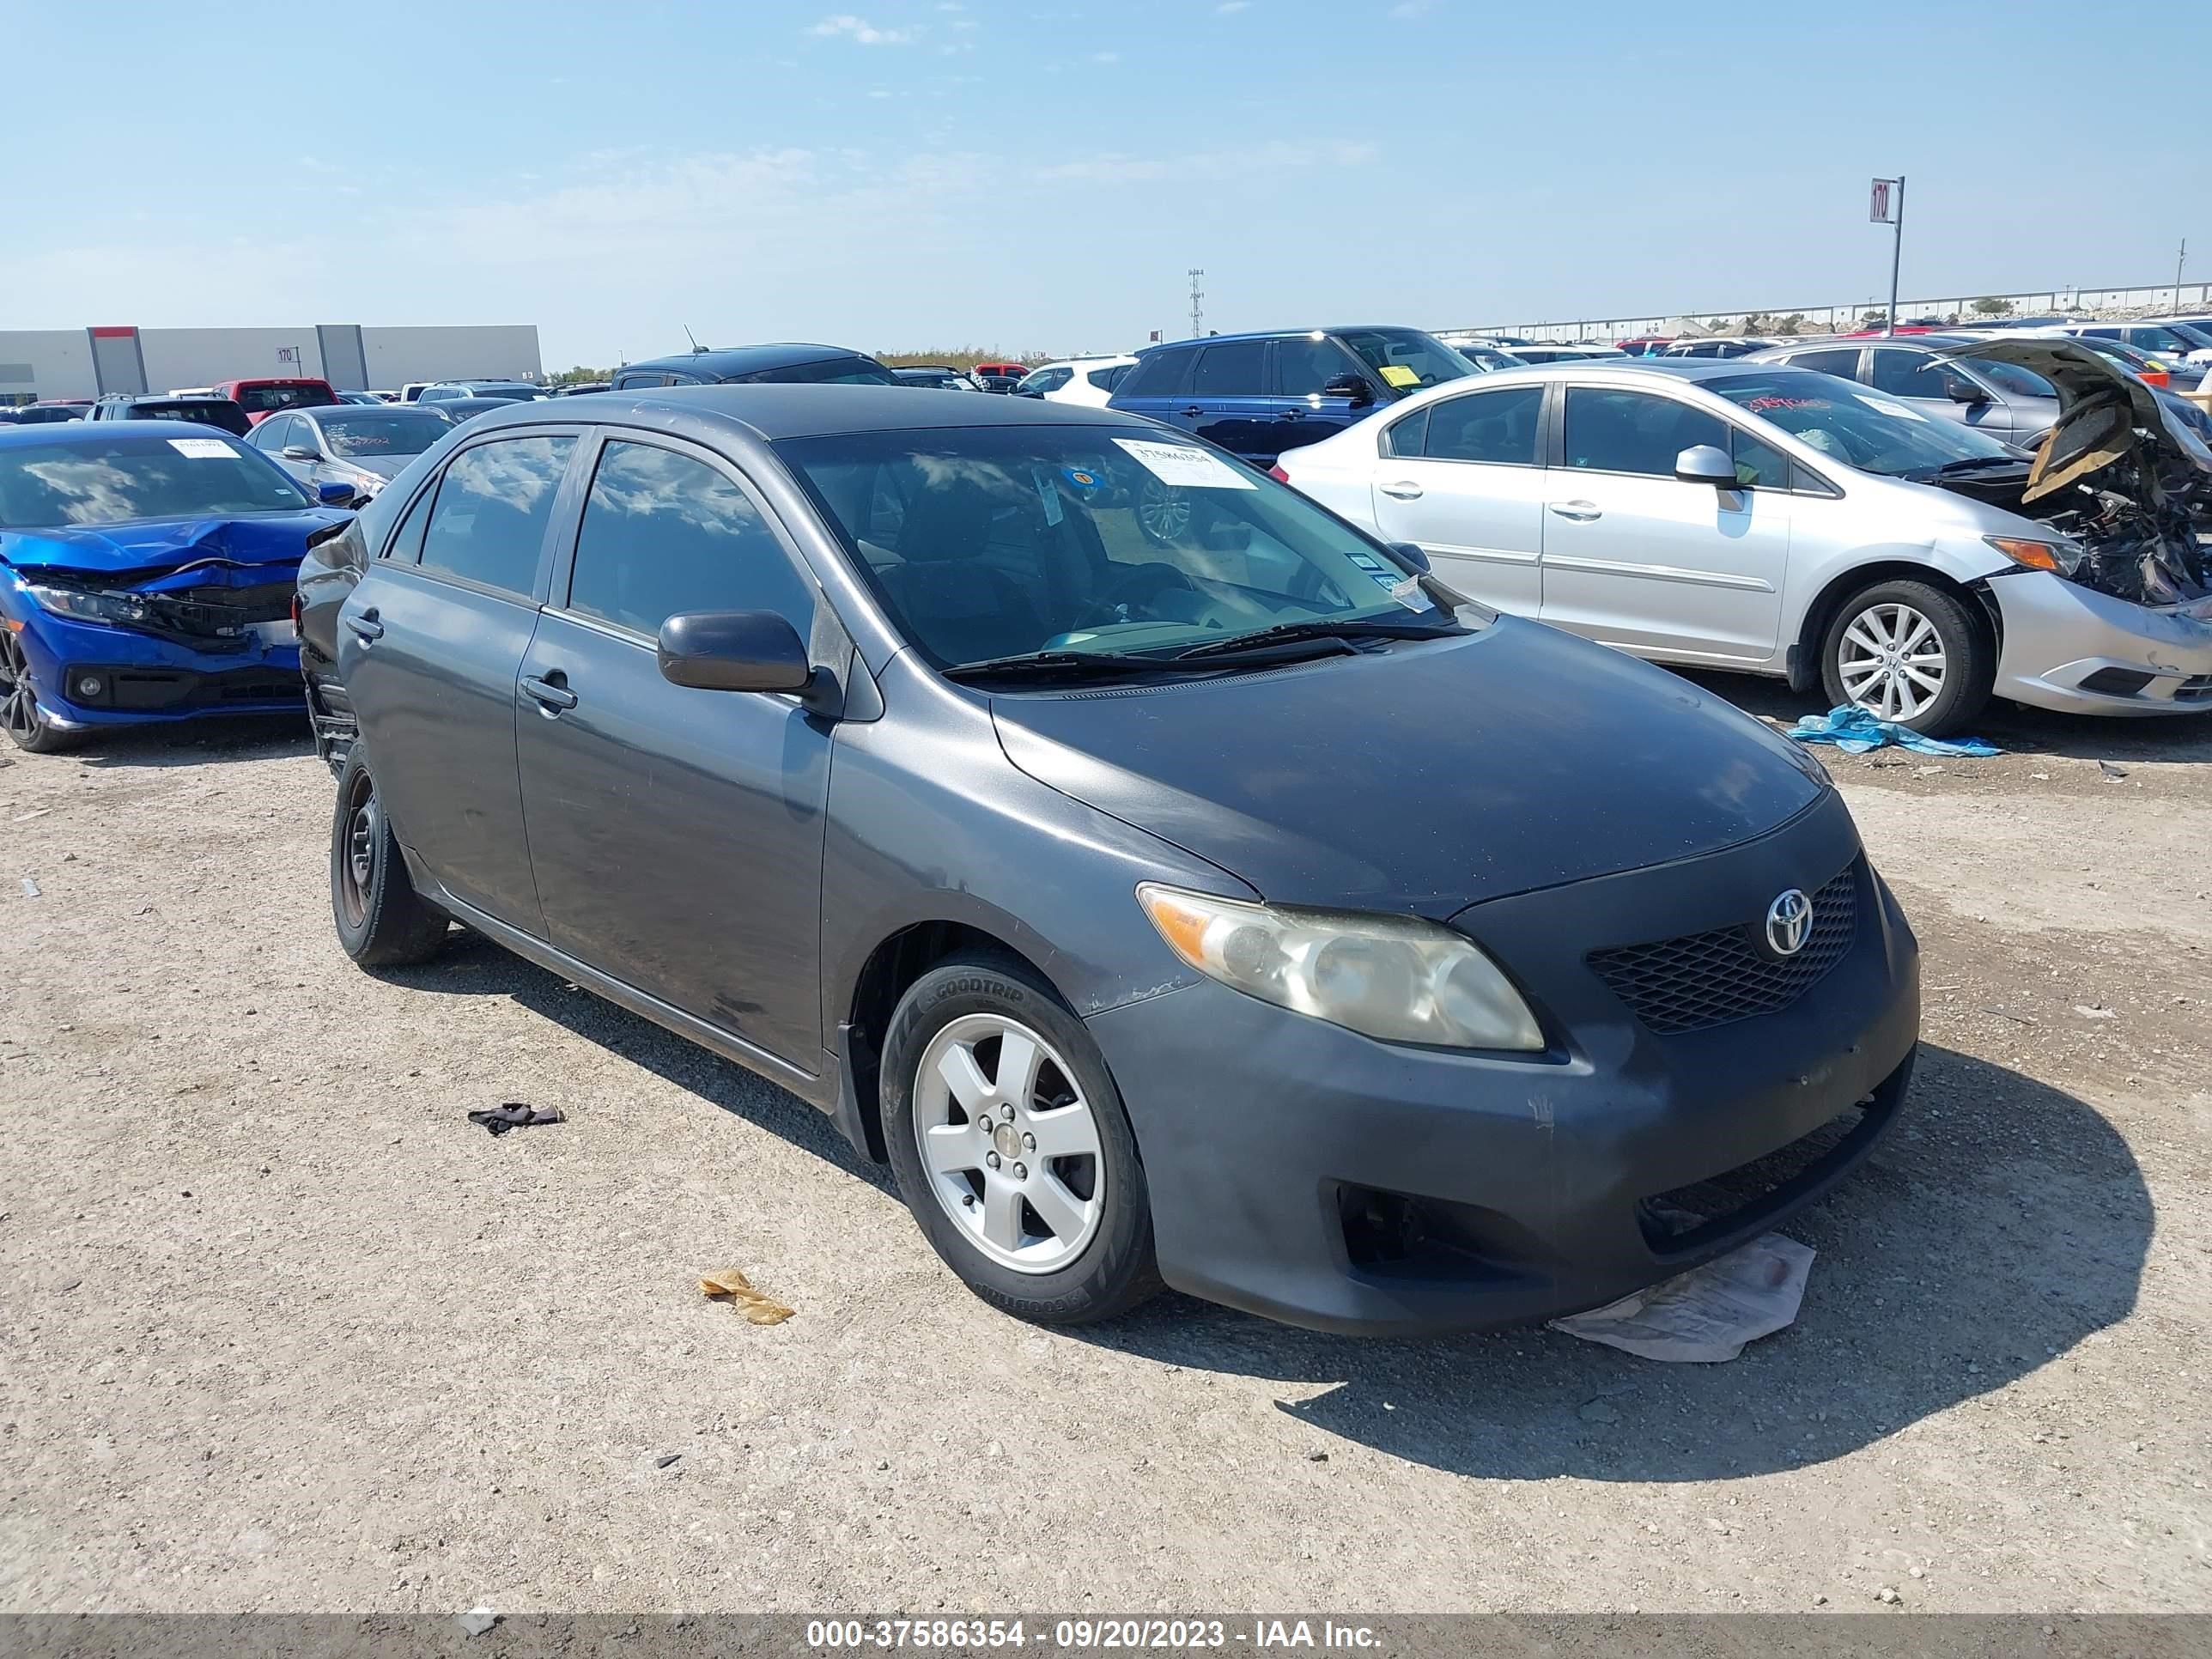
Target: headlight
(1399,979)
(2057,557)
(116,609)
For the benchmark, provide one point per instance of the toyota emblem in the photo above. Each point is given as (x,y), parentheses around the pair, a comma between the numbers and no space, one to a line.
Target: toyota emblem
(1788,923)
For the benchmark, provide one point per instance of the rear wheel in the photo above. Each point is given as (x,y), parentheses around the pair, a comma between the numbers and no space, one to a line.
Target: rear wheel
(1910,651)
(382,922)
(28,725)
(1011,1148)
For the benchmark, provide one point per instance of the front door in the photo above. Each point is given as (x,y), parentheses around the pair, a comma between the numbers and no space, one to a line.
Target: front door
(677,834)
(1637,558)
(430,644)
(1461,478)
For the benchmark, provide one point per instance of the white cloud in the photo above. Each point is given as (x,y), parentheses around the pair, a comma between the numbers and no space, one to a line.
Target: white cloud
(1227,6)
(861,31)
(1105,57)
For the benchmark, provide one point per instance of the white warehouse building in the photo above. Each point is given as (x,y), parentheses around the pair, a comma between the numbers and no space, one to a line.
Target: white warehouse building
(86,362)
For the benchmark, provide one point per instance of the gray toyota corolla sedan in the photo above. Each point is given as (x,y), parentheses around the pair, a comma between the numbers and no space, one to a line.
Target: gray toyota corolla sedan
(1175,885)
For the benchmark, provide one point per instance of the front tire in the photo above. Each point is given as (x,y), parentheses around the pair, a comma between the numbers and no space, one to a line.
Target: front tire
(381,921)
(1011,1148)
(26,722)
(1909,651)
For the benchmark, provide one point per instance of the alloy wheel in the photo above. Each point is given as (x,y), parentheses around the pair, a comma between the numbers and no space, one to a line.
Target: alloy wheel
(1163,511)
(1008,1143)
(19,703)
(1892,661)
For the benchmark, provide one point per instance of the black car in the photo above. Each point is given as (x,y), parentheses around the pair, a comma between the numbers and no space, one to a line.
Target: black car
(758,365)
(223,412)
(1233,909)
(999,380)
(53,410)
(577,388)
(1256,395)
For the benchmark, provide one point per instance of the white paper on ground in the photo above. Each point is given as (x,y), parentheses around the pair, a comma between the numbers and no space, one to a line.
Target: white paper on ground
(1706,1315)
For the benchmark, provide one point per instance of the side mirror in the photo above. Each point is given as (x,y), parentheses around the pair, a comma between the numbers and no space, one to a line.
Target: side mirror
(1353,386)
(733,651)
(333,494)
(1702,463)
(301,453)
(1411,553)
(1961,390)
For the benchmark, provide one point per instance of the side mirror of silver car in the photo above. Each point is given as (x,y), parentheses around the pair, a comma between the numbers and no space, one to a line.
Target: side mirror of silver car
(1705,464)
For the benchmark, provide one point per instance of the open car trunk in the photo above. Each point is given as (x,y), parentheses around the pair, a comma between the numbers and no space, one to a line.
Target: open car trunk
(2126,481)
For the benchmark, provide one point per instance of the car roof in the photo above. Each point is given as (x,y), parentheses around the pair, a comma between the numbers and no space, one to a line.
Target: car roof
(91,433)
(774,412)
(748,359)
(1285,334)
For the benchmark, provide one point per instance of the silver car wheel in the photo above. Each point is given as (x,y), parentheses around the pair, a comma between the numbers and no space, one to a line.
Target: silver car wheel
(1009,1143)
(1892,661)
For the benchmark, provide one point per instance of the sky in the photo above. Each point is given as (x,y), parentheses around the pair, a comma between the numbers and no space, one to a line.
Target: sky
(1028,177)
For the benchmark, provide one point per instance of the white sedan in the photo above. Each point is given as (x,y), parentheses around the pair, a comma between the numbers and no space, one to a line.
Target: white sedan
(1087,380)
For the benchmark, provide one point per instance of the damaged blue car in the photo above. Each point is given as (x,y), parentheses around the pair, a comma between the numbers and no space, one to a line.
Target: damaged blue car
(146,576)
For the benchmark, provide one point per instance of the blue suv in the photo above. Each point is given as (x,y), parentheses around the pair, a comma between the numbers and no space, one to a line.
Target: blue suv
(1257,395)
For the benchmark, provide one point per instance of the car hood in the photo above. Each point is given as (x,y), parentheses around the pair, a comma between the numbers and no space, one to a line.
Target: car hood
(134,554)
(1422,778)
(2119,475)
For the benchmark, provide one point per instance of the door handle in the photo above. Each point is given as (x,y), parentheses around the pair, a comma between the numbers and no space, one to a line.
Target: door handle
(1580,511)
(551,696)
(1291,415)
(1405,489)
(365,626)
(1194,411)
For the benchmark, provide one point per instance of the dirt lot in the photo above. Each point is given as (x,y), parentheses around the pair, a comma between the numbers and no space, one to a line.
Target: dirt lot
(284,1331)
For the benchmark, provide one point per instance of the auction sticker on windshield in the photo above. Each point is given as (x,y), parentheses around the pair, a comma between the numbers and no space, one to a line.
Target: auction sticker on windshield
(1889,408)
(1398,375)
(1177,463)
(202,449)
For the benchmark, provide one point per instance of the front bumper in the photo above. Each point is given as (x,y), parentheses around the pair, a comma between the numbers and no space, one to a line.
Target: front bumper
(140,678)
(2072,648)
(1507,1190)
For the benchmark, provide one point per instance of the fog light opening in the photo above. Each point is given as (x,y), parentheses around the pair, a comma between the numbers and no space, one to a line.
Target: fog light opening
(1380,1226)
(90,685)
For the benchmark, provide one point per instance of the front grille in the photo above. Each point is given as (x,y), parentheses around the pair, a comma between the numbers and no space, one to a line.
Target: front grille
(1703,980)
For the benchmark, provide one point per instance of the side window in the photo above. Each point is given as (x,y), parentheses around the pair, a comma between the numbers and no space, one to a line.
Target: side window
(1909,373)
(488,521)
(287,432)
(406,546)
(1499,426)
(1050,380)
(663,533)
(1408,437)
(264,437)
(1160,373)
(1843,363)
(1758,465)
(1304,366)
(1230,371)
(1615,431)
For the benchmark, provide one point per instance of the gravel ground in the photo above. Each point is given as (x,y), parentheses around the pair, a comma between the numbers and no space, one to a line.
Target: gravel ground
(283,1331)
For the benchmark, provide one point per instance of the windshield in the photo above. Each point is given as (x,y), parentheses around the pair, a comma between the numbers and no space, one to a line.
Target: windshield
(1486,360)
(368,436)
(259,399)
(1860,428)
(833,371)
(138,478)
(991,542)
(2194,336)
(1406,358)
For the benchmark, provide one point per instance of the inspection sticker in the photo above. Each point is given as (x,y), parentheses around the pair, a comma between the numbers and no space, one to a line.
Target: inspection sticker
(1177,463)
(202,449)
(1047,497)
(1889,408)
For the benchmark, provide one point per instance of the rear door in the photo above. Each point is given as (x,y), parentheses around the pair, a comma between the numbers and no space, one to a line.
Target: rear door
(1462,477)
(676,834)
(1229,403)
(430,648)
(1635,557)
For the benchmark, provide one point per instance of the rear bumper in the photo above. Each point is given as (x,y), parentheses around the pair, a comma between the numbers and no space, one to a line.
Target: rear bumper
(2072,648)
(1302,1172)
(88,675)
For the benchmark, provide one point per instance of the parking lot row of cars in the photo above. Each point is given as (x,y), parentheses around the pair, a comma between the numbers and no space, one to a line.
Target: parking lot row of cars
(1033,782)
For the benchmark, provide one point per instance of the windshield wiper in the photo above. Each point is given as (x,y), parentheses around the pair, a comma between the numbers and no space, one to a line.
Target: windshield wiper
(1054,664)
(1292,633)
(1973,462)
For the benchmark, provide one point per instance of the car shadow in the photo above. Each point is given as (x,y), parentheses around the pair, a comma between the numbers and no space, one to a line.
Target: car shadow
(471,965)
(2013,727)
(234,738)
(2000,1224)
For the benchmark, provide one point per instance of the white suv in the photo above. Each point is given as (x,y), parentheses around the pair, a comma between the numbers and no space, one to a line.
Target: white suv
(1087,380)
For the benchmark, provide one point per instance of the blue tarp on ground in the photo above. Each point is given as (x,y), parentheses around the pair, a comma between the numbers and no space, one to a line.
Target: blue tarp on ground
(1855,732)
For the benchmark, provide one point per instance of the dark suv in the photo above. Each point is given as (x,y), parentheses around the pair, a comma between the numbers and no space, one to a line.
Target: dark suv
(758,365)
(1258,395)
(221,412)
